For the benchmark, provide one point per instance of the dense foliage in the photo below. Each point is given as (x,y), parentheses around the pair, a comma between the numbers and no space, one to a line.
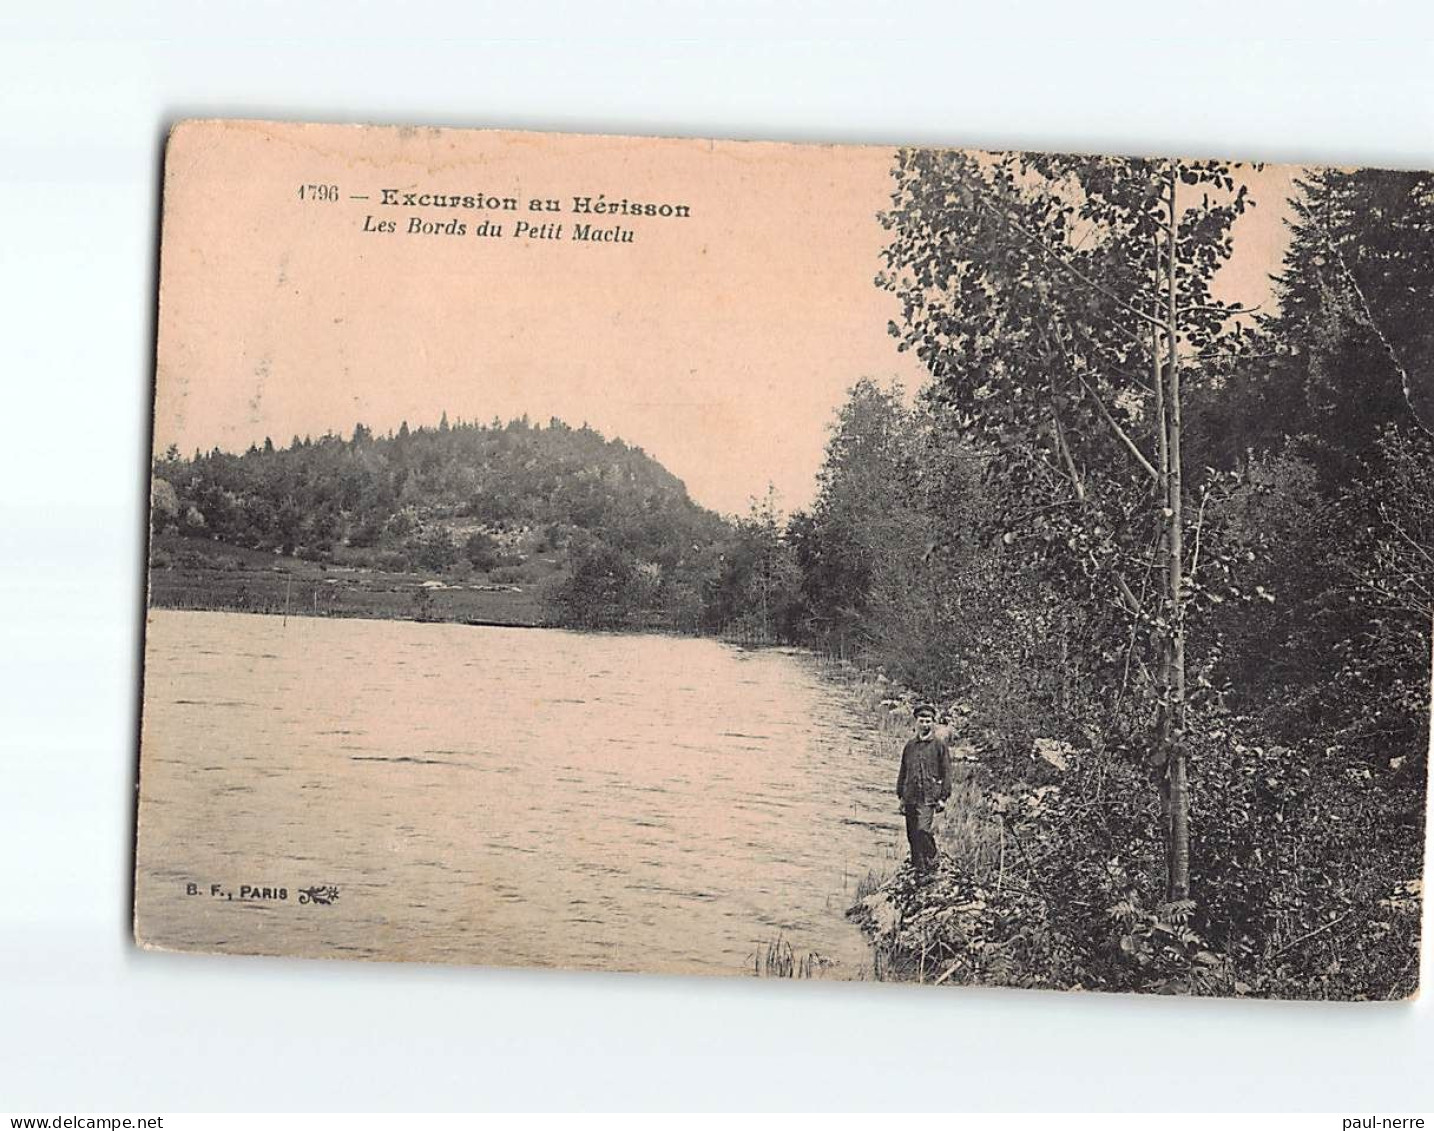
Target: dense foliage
(1001,547)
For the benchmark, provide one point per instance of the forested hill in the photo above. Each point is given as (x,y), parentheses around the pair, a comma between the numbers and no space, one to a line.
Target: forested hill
(605,532)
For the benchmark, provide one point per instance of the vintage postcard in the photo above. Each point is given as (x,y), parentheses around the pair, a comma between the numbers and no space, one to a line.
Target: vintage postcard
(837,562)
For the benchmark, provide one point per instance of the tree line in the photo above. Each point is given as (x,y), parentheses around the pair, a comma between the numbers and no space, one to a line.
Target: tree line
(1187,542)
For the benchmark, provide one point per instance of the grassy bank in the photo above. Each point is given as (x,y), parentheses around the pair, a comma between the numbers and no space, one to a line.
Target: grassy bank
(978,920)
(969,831)
(194,573)
(1042,848)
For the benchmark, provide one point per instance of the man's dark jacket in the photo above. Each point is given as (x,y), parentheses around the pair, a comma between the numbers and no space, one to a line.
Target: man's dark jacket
(925,776)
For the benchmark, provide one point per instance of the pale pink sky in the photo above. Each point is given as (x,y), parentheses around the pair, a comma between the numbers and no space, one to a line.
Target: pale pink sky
(722,343)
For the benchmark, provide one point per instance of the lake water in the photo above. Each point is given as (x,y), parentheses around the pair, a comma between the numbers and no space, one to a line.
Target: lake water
(501,796)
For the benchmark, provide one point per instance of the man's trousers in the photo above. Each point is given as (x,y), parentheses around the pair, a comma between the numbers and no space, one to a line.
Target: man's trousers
(919,821)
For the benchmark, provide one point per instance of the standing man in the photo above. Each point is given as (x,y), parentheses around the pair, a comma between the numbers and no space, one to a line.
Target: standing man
(923,784)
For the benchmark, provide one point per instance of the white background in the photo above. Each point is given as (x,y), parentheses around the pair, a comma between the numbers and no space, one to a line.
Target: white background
(89,1023)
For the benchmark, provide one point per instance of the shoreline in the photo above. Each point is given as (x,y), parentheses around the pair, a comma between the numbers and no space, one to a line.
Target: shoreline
(296,587)
(975,921)
(343,614)
(303,588)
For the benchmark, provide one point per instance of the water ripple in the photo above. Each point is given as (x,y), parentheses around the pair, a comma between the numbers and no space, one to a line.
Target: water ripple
(693,802)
